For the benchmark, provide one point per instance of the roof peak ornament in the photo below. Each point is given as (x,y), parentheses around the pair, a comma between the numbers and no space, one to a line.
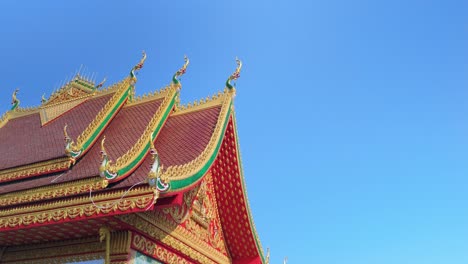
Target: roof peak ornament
(68,146)
(234,76)
(43,99)
(180,72)
(105,163)
(101,83)
(155,176)
(14,101)
(137,68)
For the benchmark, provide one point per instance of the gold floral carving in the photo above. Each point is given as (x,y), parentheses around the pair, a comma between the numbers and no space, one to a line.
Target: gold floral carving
(54,191)
(179,172)
(204,222)
(70,92)
(34,169)
(149,247)
(106,203)
(146,223)
(179,214)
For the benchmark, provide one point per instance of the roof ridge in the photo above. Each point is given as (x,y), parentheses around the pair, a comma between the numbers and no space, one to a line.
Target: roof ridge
(148,97)
(203,103)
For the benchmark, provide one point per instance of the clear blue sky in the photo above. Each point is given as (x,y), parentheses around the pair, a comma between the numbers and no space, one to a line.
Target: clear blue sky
(352,115)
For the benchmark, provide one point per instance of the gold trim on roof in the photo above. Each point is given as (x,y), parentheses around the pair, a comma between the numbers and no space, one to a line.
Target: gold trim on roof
(35,169)
(138,147)
(148,97)
(148,225)
(179,172)
(216,99)
(104,204)
(53,191)
(244,190)
(121,88)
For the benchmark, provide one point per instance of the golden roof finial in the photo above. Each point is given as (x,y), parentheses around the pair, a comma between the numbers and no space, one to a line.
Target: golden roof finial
(43,99)
(235,75)
(181,71)
(137,67)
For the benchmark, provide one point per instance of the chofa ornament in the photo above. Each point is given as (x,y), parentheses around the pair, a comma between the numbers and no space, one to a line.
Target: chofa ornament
(235,75)
(69,150)
(155,176)
(137,68)
(180,72)
(14,100)
(105,163)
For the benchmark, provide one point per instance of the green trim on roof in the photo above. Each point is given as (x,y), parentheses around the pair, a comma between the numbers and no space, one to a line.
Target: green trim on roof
(180,184)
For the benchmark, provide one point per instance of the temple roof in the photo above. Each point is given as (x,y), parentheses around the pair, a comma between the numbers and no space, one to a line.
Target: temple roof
(87,142)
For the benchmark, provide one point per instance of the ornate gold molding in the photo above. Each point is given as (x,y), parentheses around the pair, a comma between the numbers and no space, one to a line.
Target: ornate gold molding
(148,97)
(49,166)
(53,191)
(149,247)
(104,204)
(156,233)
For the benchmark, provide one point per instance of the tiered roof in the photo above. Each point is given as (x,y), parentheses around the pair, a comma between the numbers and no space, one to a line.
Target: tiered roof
(78,154)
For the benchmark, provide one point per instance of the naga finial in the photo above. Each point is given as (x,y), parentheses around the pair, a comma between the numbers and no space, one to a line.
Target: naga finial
(155,178)
(180,72)
(137,67)
(235,75)
(105,160)
(14,101)
(101,83)
(68,146)
(43,99)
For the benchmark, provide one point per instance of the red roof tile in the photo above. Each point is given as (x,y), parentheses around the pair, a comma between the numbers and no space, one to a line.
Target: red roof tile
(182,139)
(122,133)
(24,141)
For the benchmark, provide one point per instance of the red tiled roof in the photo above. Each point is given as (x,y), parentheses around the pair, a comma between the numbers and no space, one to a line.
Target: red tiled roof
(182,139)
(122,133)
(24,141)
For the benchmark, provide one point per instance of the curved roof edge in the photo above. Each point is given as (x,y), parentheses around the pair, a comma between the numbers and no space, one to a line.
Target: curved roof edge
(182,177)
(128,162)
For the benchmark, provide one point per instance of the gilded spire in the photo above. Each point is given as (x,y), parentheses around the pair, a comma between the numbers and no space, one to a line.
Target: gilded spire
(14,101)
(180,72)
(137,67)
(235,75)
